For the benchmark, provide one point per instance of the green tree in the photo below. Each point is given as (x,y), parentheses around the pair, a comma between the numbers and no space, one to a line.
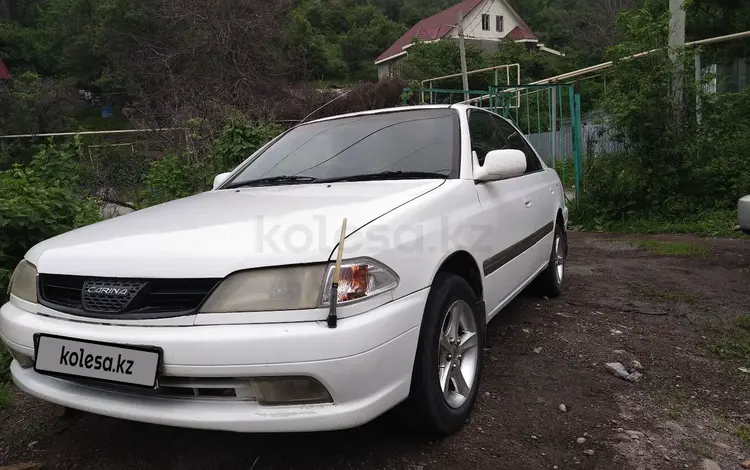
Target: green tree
(339,40)
(33,105)
(673,166)
(435,59)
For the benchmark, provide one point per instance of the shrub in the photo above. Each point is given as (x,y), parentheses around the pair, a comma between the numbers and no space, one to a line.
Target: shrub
(238,140)
(118,171)
(40,200)
(566,172)
(172,177)
(673,167)
(179,175)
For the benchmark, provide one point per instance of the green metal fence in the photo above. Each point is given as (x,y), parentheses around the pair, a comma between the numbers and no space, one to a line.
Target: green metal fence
(548,115)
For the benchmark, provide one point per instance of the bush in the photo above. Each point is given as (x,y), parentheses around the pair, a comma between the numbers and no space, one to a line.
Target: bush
(172,177)
(40,200)
(178,175)
(238,140)
(706,170)
(673,167)
(566,171)
(118,172)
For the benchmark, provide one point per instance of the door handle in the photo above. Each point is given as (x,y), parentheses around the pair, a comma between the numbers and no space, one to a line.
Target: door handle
(527,201)
(552,189)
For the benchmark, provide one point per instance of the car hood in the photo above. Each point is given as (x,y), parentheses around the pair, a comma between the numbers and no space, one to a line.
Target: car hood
(216,233)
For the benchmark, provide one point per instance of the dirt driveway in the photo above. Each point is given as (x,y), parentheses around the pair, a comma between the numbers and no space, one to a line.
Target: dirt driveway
(674,304)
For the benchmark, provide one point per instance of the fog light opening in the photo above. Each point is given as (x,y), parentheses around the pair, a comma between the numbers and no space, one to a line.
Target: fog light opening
(25,361)
(275,391)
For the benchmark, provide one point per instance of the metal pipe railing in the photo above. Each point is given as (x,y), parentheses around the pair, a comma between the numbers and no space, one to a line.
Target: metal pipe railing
(605,65)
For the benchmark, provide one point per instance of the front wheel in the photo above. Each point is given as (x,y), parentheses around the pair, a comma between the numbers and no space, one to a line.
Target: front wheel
(447,368)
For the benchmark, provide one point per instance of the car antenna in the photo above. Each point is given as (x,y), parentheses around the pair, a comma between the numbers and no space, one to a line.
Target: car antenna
(326,104)
(332,318)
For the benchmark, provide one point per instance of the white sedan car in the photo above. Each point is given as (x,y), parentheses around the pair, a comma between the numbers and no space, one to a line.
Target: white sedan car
(214,311)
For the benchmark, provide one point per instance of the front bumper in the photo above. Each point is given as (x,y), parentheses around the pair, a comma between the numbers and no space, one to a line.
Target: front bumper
(365,363)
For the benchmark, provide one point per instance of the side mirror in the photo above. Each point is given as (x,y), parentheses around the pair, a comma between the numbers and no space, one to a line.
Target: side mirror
(501,164)
(220,178)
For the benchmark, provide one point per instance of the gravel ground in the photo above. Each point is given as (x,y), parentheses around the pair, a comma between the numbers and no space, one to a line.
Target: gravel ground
(623,303)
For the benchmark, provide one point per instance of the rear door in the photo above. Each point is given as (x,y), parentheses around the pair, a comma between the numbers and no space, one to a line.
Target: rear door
(508,213)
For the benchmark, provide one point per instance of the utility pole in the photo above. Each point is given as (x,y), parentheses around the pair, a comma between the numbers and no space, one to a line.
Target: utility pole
(677,40)
(676,23)
(462,47)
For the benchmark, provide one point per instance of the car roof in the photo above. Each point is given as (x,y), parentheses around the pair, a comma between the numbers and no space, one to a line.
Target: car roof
(457,107)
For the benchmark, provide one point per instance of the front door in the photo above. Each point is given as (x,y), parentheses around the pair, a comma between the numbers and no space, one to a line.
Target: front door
(541,189)
(509,213)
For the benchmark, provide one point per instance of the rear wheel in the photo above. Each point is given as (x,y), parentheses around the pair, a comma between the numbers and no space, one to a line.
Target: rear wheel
(551,280)
(447,368)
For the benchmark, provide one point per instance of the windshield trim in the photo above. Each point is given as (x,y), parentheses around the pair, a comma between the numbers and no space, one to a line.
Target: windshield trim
(455,170)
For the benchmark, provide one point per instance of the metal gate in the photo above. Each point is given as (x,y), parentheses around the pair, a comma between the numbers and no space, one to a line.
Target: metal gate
(548,115)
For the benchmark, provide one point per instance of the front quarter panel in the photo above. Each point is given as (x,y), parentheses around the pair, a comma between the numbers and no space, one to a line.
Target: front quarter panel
(416,238)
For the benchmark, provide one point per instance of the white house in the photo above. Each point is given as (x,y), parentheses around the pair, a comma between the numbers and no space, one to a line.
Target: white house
(729,76)
(485,23)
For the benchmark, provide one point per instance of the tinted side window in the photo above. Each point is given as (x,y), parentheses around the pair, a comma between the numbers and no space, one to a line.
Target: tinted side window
(517,142)
(485,136)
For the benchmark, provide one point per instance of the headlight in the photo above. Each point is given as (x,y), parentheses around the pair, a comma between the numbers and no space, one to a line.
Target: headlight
(298,287)
(262,290)
(23,282)
(359,279)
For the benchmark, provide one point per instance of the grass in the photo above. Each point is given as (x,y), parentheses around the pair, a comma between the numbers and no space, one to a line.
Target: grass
(743,322)
(5,395)
(737,346)
(733,348)
(678,405)
(721,223)
(664,295)
(693,250)
(743,432)
(5,387)
(5,361)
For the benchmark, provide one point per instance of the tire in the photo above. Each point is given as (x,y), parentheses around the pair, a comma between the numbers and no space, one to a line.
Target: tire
(428,407)
(552,280)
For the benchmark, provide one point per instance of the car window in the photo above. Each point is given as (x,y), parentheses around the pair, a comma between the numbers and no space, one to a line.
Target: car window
(485,135)
(424,140)
(517,142)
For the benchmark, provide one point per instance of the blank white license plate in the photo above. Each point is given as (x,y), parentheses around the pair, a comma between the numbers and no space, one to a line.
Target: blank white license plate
(106,362)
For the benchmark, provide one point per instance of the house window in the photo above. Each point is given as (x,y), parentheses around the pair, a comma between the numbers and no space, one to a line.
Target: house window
(486,22)
(499,23)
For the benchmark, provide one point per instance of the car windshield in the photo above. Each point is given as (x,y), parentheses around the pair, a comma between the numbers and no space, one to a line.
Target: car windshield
(414,143)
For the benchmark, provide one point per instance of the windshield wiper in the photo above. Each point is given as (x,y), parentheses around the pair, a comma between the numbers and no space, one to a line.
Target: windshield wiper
(273,181)
(386,175)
